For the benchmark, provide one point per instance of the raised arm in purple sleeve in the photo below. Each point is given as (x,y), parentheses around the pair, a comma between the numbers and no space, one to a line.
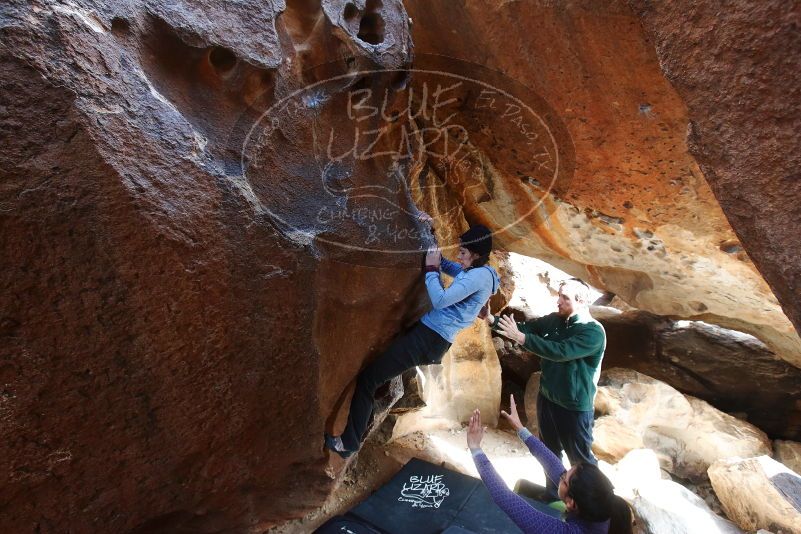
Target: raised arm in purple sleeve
(550,463)
(529,519)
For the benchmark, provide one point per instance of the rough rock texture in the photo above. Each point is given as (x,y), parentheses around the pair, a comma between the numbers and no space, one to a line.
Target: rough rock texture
(530,402)
(412,392)
(387,406)
(788,453)
(517,364)
(661,505)
(758,493)
(640,401)
(469,378)
(664,506)
(737,66)
(162,332)
(626,207)
(704,489)
(709,362)
(712,434)
(177,286)
(687,434)
(504,266)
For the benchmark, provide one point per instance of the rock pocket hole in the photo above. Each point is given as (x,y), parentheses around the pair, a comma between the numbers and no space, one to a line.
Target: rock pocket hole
(222,59)
(698,307)
(731,247)
(371,27)
(120,25)
(400,80)
(351,11)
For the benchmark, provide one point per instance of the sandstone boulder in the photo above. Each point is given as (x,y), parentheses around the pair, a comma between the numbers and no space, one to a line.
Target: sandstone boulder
(628,404)
(613,209)
(469,378)
(750,160)
(530,402)
(176,332)
(788,453)
(712,435)
(664,506)
(758,493)
(637,468)
(502,262)
(709,362)
(660,505)
(175,290)
(687,434)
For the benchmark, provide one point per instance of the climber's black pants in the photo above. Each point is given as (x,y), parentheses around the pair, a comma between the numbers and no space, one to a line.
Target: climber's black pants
(419,346)
(568,430)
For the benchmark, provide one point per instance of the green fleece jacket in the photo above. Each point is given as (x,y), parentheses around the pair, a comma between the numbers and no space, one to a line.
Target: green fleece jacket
(571,350)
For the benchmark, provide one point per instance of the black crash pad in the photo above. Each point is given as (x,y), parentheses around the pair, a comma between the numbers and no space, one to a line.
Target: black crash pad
(345,525)
(424,498)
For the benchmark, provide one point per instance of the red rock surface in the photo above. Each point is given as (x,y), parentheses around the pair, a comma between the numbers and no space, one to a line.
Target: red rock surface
(169,358)
(635,215)
(737,66)
(183,304)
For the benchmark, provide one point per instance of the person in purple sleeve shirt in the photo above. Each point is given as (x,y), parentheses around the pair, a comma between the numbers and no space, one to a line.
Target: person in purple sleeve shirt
(453,309)
(591,506)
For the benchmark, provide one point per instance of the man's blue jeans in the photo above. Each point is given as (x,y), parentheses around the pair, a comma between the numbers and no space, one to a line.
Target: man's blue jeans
(568,430)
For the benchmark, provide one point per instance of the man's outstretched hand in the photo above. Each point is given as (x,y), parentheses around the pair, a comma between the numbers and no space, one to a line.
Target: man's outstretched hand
(508,327)
(512,417)
(475,432)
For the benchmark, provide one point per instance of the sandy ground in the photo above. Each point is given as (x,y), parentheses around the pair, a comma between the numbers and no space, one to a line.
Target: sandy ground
(443,443)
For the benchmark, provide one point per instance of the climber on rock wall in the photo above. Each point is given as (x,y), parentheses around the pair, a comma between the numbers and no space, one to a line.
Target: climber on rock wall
(454,308)
(571,344)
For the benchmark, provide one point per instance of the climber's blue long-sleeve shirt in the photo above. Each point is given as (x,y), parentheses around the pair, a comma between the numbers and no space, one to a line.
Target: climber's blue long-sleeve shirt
(457,306)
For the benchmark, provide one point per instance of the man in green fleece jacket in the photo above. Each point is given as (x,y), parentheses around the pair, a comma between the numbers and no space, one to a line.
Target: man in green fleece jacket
(571,345)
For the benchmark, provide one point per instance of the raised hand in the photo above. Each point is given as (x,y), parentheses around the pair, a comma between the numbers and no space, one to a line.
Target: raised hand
(433,257)
(508,327)
(475,432)
(424,217)
(512,417)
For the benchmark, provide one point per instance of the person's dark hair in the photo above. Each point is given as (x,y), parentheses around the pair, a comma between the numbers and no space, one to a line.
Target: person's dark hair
(477,239)
(596,500)
(480,261)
